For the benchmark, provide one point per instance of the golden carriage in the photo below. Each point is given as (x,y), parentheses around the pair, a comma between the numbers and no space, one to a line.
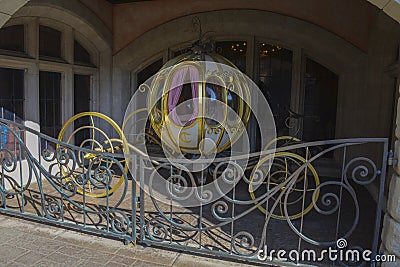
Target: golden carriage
(189,102)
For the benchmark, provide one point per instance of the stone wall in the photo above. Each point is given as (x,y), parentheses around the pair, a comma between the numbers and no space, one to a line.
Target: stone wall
(391,224)
(348,19)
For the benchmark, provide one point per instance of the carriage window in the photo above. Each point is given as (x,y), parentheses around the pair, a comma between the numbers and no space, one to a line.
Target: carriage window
(320,101)
(49,42)
(234,51)
(81,55)
(275,81)
(49,103)
(214,92)
(12,38)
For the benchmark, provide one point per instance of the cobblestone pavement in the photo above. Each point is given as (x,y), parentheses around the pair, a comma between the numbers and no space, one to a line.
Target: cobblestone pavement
(27,243)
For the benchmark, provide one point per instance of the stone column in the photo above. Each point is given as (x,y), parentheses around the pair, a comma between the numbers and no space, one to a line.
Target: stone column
(391,223)
(120,95)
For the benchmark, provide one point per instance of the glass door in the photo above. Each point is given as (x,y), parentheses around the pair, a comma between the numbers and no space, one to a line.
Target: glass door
(50,103)
(81,104)
(275,81)
(320,102)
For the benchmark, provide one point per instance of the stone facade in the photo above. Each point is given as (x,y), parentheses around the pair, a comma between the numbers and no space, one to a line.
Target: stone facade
(391,224)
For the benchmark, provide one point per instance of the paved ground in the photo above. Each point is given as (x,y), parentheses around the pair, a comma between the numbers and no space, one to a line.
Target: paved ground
(26,243)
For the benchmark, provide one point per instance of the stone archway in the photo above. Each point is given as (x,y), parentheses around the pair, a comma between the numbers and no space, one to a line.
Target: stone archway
(390,7)
(8,8)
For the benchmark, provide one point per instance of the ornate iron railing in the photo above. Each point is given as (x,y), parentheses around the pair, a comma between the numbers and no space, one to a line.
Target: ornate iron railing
(51,181)
(268,201)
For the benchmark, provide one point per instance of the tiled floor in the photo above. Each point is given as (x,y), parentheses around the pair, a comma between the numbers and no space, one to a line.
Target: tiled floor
(26,243)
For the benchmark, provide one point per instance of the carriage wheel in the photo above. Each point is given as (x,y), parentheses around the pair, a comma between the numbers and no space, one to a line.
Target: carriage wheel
(83,130)
(283,164)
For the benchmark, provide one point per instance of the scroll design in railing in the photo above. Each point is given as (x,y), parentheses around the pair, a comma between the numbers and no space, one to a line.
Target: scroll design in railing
(274,202)
(67,169)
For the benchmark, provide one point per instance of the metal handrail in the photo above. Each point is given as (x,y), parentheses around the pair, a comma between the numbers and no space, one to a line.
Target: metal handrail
(138,152)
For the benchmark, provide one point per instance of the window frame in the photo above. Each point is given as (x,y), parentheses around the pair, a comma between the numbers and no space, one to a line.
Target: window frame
(33,63)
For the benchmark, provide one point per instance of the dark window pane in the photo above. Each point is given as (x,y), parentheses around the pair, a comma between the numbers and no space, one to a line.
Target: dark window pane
(180,52)
(50,103)
(12,38)
(234,51)
(81,93)
(145,74)
(11,108)
(81,55)
(81,104)
(49,115)
(320,101)
(149,71)
(275,81)
(49,42)
(12,94)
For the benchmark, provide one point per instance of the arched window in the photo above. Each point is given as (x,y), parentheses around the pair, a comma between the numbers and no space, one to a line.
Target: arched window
(49,42)
(64,62)
(81,55)
(12,38)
